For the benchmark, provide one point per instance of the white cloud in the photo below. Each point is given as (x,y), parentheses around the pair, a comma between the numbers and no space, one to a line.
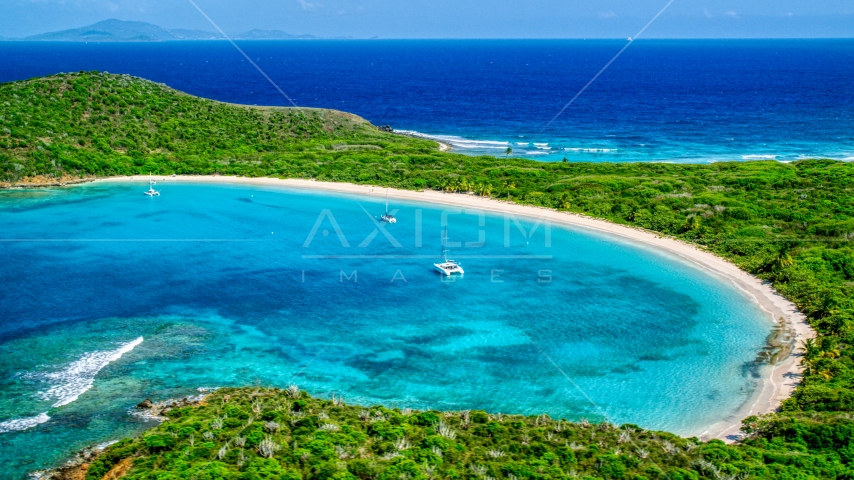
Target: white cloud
(706,13)
(608,14)
(306,5)
(731,13)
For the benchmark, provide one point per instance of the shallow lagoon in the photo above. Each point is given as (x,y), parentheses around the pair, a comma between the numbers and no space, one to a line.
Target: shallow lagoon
(244,285)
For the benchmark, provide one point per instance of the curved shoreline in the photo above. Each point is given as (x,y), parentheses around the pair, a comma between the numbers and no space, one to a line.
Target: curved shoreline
(775,387)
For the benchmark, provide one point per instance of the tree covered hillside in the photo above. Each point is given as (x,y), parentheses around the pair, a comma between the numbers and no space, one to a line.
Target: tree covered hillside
(254,434)
(101,124)
(789,223)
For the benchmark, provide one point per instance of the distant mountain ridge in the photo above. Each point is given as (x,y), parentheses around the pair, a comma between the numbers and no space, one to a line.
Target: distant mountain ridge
(257,34)
(130,31)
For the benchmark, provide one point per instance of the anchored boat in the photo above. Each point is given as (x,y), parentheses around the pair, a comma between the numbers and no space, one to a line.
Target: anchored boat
(151,191)
(447,267)
(387,217)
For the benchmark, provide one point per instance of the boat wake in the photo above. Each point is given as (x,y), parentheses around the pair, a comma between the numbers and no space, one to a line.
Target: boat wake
(18,424)
(79,376)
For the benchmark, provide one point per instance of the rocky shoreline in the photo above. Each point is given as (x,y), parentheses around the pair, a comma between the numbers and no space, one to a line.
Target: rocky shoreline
(443,147)
(158,410)
(781,343)
(76,467)
(41,181)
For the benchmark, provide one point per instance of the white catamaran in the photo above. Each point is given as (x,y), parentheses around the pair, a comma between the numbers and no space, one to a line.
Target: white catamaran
(447,267)
(388,217)
(151,191)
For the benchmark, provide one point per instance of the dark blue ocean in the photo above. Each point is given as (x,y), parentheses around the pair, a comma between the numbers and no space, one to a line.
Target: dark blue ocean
(662,100)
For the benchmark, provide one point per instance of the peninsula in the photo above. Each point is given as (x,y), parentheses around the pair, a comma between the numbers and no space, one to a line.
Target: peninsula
(789,225)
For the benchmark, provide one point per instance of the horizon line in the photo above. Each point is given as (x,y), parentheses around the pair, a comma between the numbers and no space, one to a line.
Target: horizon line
(350,38)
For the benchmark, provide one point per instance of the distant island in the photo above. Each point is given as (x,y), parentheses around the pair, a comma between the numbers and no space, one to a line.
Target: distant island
(124,31)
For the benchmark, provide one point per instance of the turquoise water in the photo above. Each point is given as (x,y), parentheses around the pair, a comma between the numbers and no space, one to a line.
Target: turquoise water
(110,297)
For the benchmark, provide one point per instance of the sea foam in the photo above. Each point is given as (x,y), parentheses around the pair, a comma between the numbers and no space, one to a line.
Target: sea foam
(590,150)
(459,142)
(18,424)
(79,376)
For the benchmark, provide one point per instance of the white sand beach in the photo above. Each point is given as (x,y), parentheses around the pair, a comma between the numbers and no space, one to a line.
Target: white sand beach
(776,387)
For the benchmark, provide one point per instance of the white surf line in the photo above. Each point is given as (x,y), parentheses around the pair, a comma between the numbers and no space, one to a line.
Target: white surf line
(448,142)
(18,424)
(79,376)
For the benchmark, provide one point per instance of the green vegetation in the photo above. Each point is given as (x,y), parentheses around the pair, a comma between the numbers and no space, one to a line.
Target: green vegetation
(251,434)
(94,124)
(791,224)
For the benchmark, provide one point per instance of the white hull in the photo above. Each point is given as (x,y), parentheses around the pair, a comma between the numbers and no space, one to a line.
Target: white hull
(151,191)
(449,268)
(389,218)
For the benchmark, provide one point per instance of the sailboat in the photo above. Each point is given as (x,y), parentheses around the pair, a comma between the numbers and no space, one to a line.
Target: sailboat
(387,217)
(151,191)
(447,267)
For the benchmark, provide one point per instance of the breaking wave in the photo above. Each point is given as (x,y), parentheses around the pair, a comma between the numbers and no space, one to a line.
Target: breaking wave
(459,142)
(79,376)
(18,424)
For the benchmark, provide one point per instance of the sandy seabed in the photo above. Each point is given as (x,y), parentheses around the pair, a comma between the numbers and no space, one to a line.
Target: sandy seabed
(784,375)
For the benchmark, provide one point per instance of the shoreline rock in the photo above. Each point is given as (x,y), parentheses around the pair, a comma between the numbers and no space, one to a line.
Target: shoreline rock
(40,181)
(158,410)
(75,468)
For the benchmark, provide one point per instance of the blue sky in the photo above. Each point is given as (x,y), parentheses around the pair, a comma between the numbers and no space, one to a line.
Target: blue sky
(453,18)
